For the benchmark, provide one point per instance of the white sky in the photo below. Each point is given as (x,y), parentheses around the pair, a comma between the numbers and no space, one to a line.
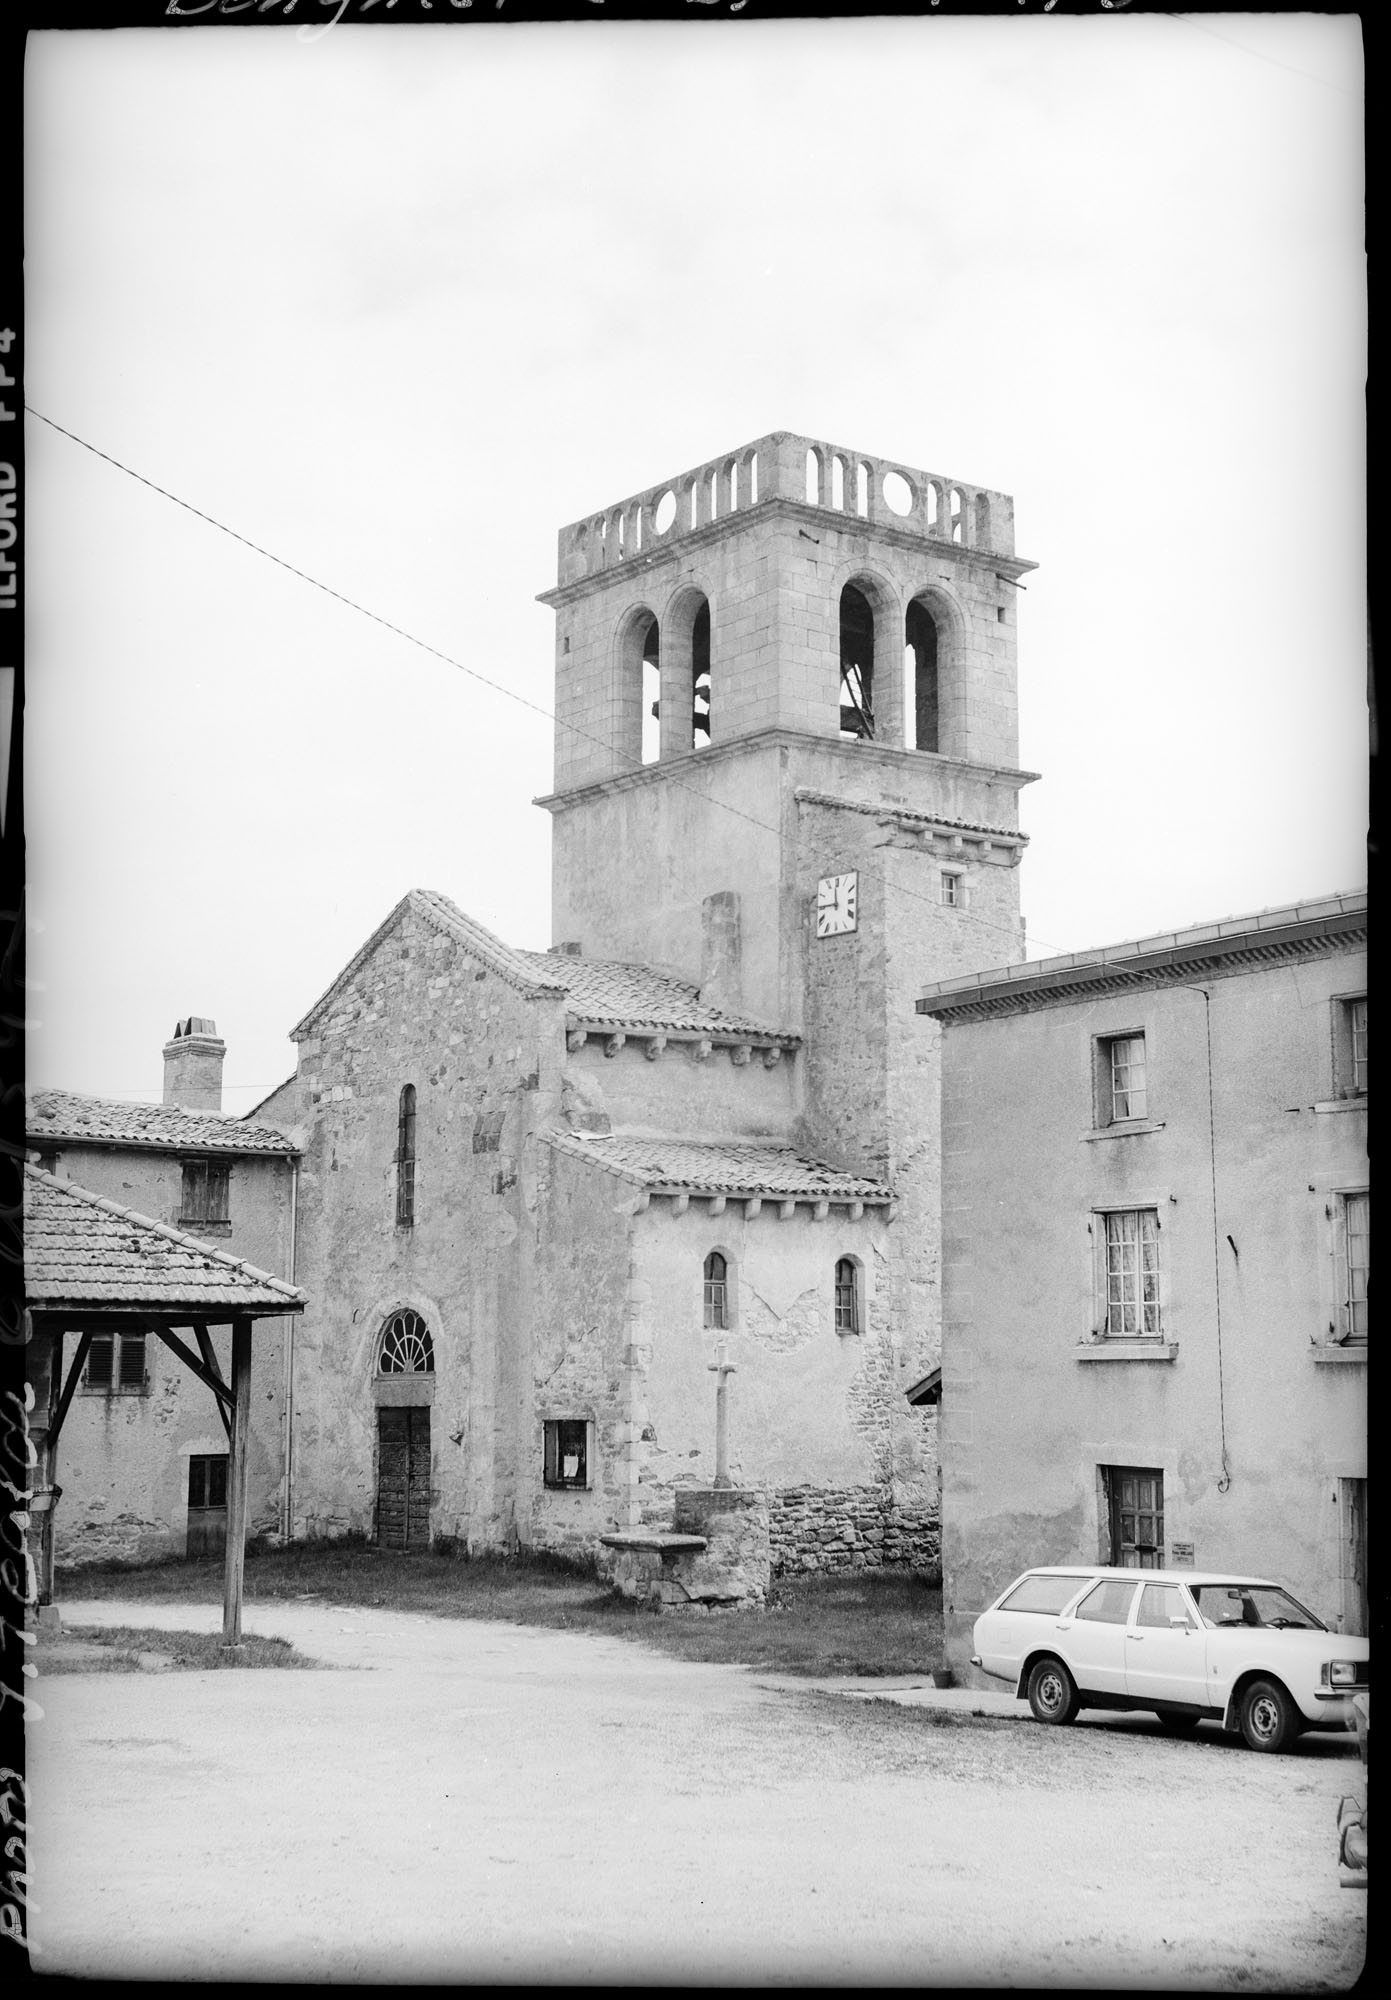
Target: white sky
(399,303)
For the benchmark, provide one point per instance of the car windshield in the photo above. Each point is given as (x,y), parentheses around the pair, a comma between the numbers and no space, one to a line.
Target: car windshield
(1252,1604)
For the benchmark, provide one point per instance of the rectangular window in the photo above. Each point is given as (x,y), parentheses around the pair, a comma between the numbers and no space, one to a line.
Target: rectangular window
(567,1451)
(1121,1091)
(207,1482)
(116,1364)
(1129,1272)
(1354,1259)
(1108,1604)
(1135,1516)
(952,894)
(205,1195)
(1350,1046)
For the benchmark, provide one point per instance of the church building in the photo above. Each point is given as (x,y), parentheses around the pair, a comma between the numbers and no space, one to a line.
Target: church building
(540,1189)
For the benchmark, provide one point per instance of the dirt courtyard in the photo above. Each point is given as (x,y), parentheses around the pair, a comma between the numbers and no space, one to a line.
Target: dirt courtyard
(453,1800)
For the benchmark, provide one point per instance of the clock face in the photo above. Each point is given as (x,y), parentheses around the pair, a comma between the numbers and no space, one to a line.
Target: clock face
(835,905)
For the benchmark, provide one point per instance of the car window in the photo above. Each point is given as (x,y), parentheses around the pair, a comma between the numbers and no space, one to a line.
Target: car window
(1042,1593)
(1109,1602)
(1159,1602)
(1254,1604)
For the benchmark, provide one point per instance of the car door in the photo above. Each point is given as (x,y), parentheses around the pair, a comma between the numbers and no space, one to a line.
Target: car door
(1091,1637)
(1166,1660)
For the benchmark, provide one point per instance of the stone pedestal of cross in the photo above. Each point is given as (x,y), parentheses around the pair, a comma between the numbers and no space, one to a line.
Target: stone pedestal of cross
(721,1368)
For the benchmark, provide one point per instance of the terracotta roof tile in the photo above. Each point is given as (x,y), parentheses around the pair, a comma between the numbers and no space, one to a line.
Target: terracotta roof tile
(617,995)
(67,1114)
(606,992)
(720,1166)
(80,1249)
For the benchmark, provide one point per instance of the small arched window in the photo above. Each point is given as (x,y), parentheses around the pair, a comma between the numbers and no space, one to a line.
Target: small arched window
(716,1290)
(405,1159)
(847,1296)
(406,1348)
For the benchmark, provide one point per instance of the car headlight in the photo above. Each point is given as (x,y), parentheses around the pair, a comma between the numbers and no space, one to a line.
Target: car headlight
(1342,1673)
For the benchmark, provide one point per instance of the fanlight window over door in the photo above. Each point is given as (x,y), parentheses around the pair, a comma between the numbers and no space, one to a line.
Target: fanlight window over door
(407,1348)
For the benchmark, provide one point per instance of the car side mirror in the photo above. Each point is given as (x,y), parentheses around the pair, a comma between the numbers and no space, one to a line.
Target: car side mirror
(1179,1625)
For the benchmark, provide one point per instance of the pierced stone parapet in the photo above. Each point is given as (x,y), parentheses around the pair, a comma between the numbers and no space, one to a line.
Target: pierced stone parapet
(832,478)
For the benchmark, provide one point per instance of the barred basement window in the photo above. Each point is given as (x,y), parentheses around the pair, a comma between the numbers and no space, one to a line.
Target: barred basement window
(205,1191)
(566,1451)
(716,1290)
(847,1296)
(116,1364)
(405,1159)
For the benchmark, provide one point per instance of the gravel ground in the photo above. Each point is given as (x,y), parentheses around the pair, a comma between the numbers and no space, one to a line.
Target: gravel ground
(483,1802)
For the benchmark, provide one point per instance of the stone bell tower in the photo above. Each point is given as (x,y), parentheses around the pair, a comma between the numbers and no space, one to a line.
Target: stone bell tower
(788,667)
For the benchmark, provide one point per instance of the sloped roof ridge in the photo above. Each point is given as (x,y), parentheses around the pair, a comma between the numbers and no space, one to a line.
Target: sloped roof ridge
(136,1121)
(445,916)
(669,1000)
(48,1183)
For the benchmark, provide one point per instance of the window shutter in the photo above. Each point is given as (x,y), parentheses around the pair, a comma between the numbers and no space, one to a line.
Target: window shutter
(133,1361)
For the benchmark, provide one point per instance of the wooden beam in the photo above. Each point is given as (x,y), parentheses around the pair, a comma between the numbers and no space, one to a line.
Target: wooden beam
(199,1368)
(236,1483)
(209,1354)
(84,1341)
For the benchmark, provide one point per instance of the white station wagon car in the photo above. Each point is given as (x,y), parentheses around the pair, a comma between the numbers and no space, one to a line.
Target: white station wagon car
(1239,1650)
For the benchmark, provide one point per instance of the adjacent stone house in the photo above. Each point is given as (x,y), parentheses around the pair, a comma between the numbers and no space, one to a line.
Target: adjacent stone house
(144,1454)
(539,1189)
(1156,1240)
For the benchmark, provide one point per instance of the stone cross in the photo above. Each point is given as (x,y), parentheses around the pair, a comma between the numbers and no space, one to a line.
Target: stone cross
(721,1368)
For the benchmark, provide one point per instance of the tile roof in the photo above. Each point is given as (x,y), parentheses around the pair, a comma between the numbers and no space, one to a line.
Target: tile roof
(879,809)
(719,1166)
(106,1121)
(616,995)
(80,1249)
(602,991)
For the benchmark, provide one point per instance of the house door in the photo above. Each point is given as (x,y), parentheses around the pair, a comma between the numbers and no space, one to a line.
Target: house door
(207,1506)
(403,1478)
(1136,1495)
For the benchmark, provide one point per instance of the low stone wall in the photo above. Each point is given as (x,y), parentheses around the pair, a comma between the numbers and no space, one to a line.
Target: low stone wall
(815,1529)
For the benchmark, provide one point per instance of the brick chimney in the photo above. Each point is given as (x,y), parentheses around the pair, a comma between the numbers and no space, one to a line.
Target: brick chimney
(193,1065)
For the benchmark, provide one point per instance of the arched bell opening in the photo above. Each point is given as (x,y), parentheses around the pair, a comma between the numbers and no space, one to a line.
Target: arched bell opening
(856,665)
(923,708)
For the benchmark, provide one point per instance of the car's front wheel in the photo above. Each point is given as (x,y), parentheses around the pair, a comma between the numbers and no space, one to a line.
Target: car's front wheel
(1052,1692)
(1267,1716)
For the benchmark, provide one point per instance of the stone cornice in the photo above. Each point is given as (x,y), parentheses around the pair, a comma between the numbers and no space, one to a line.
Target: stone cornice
(778,736)
(1336,923)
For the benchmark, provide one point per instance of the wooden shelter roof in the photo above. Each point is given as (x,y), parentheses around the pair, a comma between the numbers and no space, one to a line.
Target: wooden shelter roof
(84,1252)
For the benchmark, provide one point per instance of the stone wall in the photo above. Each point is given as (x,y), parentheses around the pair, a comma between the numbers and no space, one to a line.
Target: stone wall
(820,1530)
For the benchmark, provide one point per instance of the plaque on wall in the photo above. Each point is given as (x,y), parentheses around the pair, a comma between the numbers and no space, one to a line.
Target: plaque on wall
(1181,1555)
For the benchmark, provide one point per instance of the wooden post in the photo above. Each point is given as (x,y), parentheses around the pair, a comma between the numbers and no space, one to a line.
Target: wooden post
(44,1469)
(236,1483)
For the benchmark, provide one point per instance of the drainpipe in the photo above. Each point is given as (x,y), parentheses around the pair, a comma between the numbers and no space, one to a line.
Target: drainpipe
(287,1519)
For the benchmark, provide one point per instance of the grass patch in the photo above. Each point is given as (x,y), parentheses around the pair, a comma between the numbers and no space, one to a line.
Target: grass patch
(867,1622)
(134,1649)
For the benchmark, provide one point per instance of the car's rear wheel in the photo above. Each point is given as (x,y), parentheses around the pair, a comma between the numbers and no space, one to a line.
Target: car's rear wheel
(1052,1692)
(1179,1725)
(1267,1716)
